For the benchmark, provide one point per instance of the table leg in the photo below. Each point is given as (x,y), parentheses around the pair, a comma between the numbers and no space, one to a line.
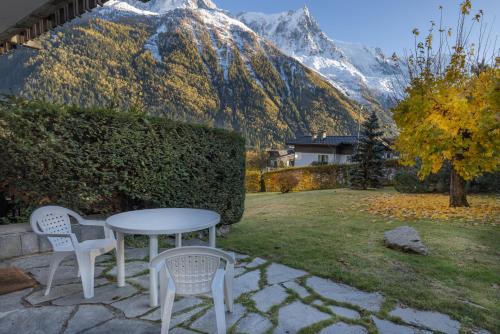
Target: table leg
(211,239)
(153,275)
(120,259)
(178,240)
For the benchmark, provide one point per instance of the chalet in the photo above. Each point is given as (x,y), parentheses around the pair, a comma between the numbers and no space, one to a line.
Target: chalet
(280,158)
(320,149)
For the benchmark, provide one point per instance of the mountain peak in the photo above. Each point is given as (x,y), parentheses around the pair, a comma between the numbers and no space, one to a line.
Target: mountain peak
(156,7)
(166,5)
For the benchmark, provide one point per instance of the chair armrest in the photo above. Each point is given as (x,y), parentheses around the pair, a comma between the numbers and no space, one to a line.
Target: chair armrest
(92,222)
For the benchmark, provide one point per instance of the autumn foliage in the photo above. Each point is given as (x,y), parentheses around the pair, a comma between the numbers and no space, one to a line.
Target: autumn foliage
(450,113)
(484,209)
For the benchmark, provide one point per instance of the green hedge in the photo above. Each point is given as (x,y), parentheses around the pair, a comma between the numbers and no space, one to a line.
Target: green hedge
(104,161)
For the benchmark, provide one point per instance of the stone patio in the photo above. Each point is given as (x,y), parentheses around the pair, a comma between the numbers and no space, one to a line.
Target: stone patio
(269,298)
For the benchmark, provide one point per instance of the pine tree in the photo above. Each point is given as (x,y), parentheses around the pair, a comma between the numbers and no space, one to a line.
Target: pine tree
(368,158)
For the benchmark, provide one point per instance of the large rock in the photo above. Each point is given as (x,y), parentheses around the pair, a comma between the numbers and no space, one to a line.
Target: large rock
(405,238)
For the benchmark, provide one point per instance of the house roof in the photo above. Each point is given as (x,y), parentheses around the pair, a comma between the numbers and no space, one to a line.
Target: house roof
(21,21)
(327,141)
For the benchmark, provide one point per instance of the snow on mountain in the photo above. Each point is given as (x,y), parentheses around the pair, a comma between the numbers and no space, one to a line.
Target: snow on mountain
(355,69)
(158,7)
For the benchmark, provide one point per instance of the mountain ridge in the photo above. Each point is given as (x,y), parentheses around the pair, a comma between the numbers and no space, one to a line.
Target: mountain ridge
(190,64)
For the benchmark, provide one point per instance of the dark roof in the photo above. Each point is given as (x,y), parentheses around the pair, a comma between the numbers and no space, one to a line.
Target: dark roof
(329,140)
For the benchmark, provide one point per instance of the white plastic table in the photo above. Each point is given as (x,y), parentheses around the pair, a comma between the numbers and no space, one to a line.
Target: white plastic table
(154,222)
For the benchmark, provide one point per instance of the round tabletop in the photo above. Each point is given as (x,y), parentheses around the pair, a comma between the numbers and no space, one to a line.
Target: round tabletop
(162,221)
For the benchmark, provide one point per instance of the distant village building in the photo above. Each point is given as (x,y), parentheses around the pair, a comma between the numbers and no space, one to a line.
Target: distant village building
(280,158)
(320,149)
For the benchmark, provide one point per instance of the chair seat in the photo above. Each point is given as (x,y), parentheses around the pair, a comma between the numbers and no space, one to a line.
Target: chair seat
(104,245)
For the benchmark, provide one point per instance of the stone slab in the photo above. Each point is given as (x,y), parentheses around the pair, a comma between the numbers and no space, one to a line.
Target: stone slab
(127,326)
(297,315)
(269,296)
(343,328)
(238,271)
(207,323)
(142,281)
(297,288)
(176,319)
(106,294)
(431,320)
(88,316)
(246,283)
(278,273)
(255,263)
(253,323)
(136,253)
(388,327)
(346,294)
(179,307)
(34,261)
(65,274)
(132,269)
(56,292)
(35,320)
(344,312)
(12,301)
(134,306)
(184,317)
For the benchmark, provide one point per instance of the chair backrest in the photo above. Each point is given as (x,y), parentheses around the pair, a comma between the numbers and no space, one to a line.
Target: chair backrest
(192,268)
(53,219)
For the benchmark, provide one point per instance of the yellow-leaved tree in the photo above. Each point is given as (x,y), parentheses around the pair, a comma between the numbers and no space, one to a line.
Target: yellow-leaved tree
(450,111)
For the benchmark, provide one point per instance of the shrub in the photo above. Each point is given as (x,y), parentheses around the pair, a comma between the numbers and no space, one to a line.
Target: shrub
(309,178)
(253,181)
(406,181)
(104,161)
(287,182)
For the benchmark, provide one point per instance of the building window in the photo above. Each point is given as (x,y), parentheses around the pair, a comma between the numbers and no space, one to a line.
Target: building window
(323,159)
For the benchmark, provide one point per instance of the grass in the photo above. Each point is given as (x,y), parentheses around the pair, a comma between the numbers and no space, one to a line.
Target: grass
(331,233)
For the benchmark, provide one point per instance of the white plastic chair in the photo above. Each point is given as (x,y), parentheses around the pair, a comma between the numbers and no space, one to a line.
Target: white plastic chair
(193,271)
(54,223)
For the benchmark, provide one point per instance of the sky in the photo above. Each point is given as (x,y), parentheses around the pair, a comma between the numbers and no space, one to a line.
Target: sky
(379,23)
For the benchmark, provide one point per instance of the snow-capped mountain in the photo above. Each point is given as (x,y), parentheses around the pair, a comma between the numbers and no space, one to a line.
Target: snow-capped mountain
(182,59)
(360,72)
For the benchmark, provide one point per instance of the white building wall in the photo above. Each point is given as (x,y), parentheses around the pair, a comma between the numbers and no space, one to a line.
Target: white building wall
(303,159)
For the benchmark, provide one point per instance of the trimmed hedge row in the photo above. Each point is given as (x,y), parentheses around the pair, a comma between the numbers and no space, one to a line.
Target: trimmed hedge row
(309,178)
(104,161)
(252,181)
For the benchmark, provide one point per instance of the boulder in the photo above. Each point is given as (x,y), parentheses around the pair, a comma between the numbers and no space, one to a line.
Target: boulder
(405,238)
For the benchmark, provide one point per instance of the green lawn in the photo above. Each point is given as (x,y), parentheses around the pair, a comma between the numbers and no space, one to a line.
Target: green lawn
(328,234)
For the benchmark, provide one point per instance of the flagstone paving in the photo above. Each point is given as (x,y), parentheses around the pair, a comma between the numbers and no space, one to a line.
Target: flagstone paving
(269,298)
